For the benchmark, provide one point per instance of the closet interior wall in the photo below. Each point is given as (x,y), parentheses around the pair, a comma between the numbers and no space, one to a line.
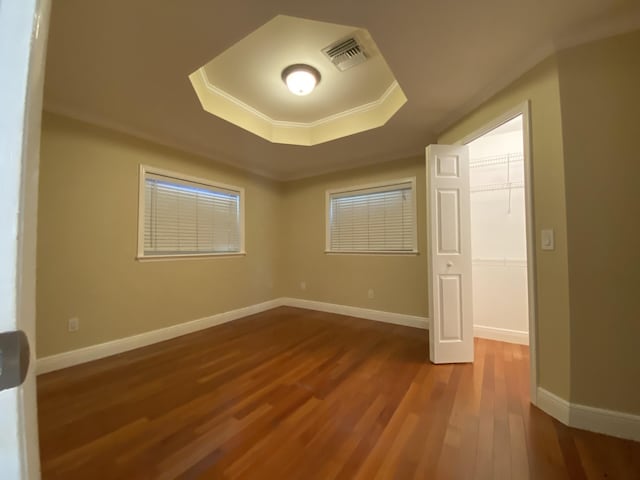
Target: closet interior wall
(498,229)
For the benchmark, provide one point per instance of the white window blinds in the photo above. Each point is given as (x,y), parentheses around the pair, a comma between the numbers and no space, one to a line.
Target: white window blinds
(378,218)
(183,217)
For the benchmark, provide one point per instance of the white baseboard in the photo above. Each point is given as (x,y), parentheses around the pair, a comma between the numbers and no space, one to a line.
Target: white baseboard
(609,422)
(600,420)
(552,404)
(102,350)
(501,334)
(366,313)
(94,352)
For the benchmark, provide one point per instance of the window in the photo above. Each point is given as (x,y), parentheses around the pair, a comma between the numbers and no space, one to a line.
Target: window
(379,218)
(183,216)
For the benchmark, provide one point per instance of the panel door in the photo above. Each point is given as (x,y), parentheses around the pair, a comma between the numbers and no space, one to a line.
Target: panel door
(450,296)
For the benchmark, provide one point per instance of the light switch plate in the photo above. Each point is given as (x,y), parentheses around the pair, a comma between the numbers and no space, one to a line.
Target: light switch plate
(547,241)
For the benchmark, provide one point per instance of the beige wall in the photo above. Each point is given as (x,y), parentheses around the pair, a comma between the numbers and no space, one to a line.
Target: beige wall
(399,281)
(541,87)
(87,234)
(600,90)
(584,105)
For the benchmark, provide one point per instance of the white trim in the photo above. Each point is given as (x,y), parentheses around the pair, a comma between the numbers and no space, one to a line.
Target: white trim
(102,350)
(146,169)
(520,66)
(523,109)
(24,29)
(609,422)
(368,186)
(236,101)
(188,256)
(356,188)
(596,30)
(209,153)
(288,124)
(159,139)
(373,253)
(500,262)
(366,313)
(501,334)
(599,420)
(553,405)
(346,113)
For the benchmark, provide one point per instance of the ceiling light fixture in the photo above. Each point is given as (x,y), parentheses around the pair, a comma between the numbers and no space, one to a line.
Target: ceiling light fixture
(301,79)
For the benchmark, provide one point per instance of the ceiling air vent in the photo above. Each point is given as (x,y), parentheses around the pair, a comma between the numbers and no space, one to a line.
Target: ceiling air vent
(345,54)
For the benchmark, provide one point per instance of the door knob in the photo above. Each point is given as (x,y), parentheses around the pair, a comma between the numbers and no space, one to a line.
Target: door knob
(449,264)
(14,359)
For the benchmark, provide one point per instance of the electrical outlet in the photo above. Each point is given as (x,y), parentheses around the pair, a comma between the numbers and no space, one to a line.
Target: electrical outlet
(74,324)
(303,285)
(371,293)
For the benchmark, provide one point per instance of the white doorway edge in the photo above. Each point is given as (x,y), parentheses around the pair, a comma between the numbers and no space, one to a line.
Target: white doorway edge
(523,109)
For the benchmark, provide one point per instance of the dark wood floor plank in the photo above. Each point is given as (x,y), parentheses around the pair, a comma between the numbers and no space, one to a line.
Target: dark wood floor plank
(297,394)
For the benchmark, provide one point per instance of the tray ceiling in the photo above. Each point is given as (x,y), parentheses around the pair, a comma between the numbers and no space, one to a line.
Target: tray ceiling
(124,64)
(244,85)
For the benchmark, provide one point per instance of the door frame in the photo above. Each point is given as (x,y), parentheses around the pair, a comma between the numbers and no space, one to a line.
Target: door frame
(23,35)
(523,109)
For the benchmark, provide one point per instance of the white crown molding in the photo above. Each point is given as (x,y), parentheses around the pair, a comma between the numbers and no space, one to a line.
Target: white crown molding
(230,98)
(356,164)
(56,109)
(98,121)
(593,419)
(516,69)
(596,31)
(288,124)
(501,334)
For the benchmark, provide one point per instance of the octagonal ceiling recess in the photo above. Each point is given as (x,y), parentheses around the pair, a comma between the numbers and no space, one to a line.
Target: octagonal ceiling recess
(244,86)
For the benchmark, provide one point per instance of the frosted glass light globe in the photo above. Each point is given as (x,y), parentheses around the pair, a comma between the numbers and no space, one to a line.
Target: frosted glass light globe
(301,79)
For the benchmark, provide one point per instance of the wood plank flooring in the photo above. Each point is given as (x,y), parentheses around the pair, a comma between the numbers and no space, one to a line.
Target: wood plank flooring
(297,394)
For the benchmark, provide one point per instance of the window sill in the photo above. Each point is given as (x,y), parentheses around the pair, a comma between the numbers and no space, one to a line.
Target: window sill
(187,256)
(373,252)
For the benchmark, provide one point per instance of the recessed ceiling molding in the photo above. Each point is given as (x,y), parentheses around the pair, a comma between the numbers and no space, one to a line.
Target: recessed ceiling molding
(363,117)
(284,123)
(240,104)
(393,89)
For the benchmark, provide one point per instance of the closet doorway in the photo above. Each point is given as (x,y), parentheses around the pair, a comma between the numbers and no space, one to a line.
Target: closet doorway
(502,233)
(498,234)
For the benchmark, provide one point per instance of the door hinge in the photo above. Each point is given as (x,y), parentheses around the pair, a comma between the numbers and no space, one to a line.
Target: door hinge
(14,359)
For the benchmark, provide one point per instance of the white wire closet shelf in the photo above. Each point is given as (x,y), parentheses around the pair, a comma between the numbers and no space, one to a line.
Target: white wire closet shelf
(506,159)
(497,186)
(494,160)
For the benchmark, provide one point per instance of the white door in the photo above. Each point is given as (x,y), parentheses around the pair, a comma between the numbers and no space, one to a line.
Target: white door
(23,31)
(450,298)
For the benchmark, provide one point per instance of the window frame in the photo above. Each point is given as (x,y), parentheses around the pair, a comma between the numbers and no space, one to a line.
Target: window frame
(146,169)
(371,186)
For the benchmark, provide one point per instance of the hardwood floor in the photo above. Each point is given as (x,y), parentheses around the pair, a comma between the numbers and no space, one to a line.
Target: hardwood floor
(297,394)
